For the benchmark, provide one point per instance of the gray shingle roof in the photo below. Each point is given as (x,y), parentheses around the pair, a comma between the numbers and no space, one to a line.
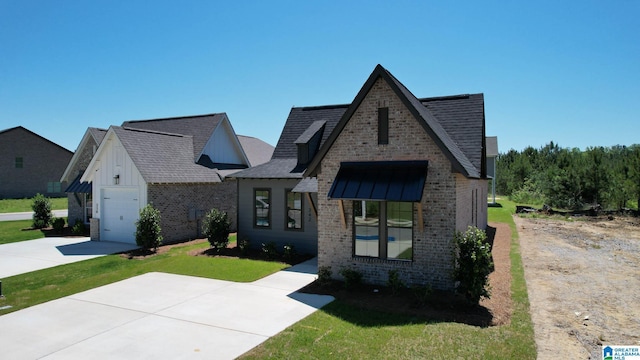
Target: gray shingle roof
(200,127)
(164,157)
(257,151)
(98,134)
(299,120)
(461,146)
(275,169)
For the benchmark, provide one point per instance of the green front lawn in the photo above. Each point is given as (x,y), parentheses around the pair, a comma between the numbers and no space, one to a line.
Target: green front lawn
(24,205)
(12,231)
(22,291)
(342,331)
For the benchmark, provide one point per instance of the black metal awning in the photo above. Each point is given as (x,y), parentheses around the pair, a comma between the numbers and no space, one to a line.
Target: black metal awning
(380,180)
(79,187)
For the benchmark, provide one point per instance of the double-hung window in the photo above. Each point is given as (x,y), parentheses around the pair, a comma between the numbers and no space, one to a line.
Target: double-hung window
(294,210)
(383,229)
(261,211)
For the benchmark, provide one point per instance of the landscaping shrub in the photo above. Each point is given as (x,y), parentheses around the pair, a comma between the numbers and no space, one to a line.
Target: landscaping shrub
(324,275)
(289,252)
(352,277)
(216,227)
(269,250)
(148,228)
(58,225)
(394,282)
(473,264)
(244,245)
(79,228)
(41,207)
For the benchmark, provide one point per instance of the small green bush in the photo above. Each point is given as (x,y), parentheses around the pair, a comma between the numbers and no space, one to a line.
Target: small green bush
(244,245)
(41,207)
(269,250)
(289,252)
(79,228)
(473,264)
(324,275)
(58,225)
(394,282)
(148,228)
(216,227)
(352,277)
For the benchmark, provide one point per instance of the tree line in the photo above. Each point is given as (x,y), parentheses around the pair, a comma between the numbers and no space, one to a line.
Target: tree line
(606,177)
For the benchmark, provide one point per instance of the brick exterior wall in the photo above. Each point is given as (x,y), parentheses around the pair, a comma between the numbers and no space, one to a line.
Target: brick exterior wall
(182,206)
(43,162)
(75,201)
(432,245)
(94,229)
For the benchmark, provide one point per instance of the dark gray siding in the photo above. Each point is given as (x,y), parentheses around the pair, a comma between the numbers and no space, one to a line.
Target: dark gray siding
(305,241)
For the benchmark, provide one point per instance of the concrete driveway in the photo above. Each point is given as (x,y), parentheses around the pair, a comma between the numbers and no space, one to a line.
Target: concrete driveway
(165,316)
(26,256)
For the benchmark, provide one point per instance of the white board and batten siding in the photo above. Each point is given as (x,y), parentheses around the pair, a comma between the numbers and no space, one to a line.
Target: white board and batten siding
(223,146)
(121,192)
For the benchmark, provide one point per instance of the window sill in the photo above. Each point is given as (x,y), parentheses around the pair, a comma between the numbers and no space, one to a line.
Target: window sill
(374,260)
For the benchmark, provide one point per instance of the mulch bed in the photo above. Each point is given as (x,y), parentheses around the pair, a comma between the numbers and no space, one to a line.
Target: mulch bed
(441,305)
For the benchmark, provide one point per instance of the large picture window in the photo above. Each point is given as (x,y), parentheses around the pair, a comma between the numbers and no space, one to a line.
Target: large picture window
(262,213)
(294,210)
(383,229)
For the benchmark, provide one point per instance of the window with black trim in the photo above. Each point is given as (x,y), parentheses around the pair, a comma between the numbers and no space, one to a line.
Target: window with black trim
(19,163)
(261,211)
(383,229)
(383,126)
(294,218)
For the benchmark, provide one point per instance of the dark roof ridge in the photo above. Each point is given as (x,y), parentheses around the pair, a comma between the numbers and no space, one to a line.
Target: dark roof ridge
(153,132)
(446,97)
(175,117)
(321,107)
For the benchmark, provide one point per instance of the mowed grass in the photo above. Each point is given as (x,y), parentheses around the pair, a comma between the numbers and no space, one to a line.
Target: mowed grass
(342,331)
(24,205)
(22,291)
(14,231)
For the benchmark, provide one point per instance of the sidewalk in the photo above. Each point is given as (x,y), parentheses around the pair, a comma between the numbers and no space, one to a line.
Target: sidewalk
(29,215)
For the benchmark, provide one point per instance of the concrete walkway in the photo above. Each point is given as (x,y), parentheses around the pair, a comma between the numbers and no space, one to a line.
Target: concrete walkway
(29,215)
(26,256)
(158,315)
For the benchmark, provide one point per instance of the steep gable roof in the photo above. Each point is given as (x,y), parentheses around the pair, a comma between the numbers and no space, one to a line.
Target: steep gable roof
(164,157)
(199,127)
(22,128)
(430,123)
(91,133)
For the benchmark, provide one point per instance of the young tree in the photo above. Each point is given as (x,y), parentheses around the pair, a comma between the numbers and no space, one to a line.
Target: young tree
(41,207)
(148,228)
(216,228)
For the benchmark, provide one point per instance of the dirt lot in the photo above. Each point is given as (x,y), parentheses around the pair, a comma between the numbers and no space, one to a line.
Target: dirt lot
(583,279)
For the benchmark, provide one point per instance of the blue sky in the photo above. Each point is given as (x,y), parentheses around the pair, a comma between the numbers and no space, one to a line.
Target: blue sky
(562,71)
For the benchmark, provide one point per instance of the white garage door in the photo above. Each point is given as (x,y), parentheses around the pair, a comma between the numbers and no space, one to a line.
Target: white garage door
(119,215)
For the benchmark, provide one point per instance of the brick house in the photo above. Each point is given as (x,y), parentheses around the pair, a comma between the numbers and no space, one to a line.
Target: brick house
(30,164)
(180,165)
(396,178)
(379,184)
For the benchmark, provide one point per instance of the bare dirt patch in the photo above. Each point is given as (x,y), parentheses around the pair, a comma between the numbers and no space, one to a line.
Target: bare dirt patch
(441,306)
(583,280)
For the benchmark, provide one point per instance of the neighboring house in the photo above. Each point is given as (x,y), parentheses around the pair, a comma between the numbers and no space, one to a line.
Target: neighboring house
(79,194)
(177,164)
(30,164)
(391,178)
